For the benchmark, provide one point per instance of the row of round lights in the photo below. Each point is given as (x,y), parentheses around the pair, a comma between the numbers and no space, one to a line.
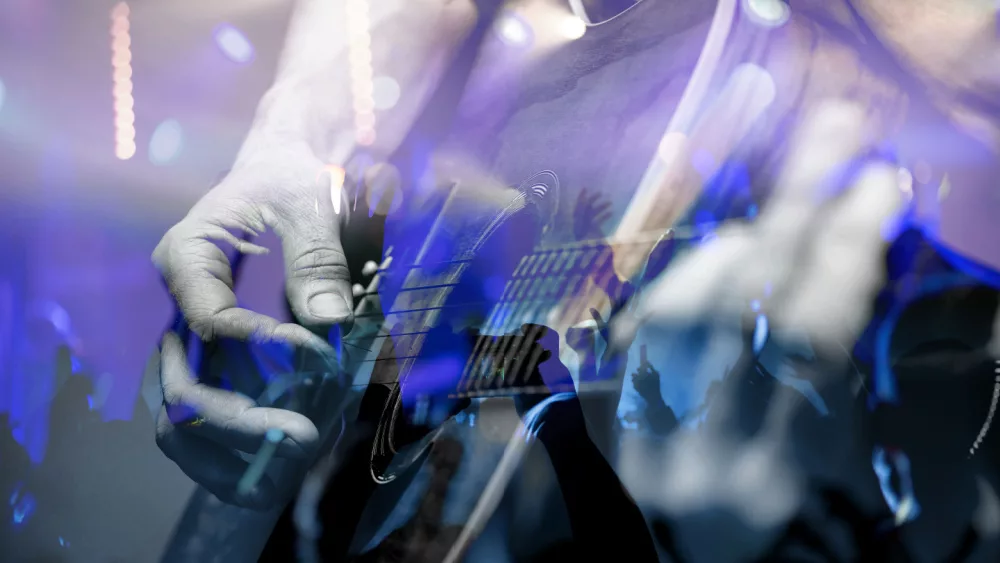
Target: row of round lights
(121,64)
(360,57)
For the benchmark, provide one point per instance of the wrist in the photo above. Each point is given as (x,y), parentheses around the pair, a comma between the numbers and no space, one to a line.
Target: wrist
(290,117)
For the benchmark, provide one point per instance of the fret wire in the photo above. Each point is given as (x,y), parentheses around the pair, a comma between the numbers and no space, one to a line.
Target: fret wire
(441,307)
(551,257)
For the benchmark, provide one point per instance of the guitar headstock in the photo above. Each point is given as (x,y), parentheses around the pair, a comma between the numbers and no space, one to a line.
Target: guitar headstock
(542,190)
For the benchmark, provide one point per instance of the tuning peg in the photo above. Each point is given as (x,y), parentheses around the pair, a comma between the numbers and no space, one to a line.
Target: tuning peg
(357,290)
(370,268)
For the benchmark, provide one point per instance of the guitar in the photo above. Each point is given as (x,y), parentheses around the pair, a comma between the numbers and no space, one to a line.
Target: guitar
(376,363)
(388,452)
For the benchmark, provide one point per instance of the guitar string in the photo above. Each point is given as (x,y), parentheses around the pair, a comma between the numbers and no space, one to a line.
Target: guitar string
(490,347)
(526,261)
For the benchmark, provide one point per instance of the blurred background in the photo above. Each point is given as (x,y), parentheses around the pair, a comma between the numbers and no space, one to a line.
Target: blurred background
(114,120)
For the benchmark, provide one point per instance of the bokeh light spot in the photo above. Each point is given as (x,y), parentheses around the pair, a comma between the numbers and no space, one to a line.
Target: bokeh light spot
(385,92)
(23,509)
(166,142)
(234,44)
(572,27)
(771,13)
(337,176)
(512,30)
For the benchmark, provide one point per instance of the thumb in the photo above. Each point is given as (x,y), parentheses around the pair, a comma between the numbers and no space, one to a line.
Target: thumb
(318,283)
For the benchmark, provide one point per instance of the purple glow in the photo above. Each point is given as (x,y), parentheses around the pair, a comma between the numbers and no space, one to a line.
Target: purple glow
(233,44)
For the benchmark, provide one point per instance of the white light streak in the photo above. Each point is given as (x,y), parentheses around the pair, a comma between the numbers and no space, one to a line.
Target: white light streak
(121,64)
(337,175)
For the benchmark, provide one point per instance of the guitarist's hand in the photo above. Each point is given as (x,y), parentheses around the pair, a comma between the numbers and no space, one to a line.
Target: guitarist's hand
(814,259)
(282,189)
(285,190)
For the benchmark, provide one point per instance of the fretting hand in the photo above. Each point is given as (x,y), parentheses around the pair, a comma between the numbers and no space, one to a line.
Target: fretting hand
(282,189)
(814,262)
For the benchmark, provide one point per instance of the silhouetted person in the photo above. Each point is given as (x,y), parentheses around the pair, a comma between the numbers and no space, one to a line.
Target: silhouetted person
(657,415)
(606,524)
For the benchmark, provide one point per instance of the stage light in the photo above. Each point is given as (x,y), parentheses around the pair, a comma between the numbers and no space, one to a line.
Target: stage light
(513,30)
(360,60)
(166,142)
(769,13)
(121,76)
(385,92)
(124,149)
(572,27)
(233,44)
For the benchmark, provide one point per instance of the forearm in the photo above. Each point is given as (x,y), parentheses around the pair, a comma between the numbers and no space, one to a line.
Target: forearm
(602,514)
(311,103)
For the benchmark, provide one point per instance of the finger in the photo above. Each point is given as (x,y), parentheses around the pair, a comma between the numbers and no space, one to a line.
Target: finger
(830,137)
(227,418)
(212,467)
(697,287)
(197,273)
(833,300)
(318,283)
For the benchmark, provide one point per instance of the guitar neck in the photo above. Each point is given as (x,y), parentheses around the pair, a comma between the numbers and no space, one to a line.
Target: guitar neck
(544,280)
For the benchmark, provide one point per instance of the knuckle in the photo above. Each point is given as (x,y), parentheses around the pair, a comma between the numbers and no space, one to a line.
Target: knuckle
(171,395)
(164,250)
(319,261)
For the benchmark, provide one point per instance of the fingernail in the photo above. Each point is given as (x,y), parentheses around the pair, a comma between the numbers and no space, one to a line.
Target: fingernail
(328,306)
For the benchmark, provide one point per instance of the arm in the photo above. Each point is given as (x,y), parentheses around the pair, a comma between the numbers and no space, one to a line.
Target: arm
(603,517)
(304,122)
(311,103)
